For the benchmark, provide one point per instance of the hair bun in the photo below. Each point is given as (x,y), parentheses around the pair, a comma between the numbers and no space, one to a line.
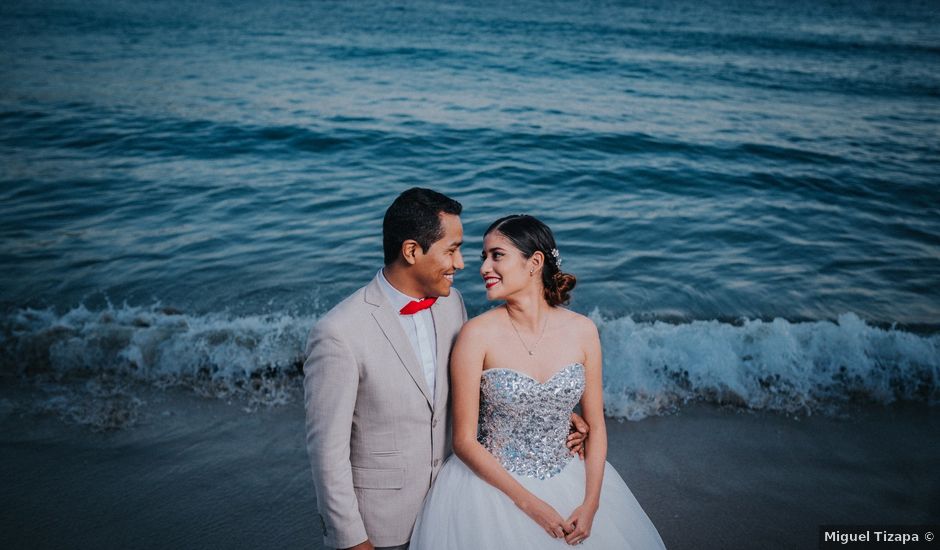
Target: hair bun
(559,293)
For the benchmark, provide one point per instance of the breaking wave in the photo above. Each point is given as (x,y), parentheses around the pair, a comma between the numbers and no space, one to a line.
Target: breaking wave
(86,364)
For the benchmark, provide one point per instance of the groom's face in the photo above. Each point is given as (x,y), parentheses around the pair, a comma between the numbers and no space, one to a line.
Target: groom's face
(434,270)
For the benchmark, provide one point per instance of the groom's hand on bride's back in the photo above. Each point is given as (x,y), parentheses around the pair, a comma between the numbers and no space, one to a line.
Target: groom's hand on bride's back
(577,435)
(367,545)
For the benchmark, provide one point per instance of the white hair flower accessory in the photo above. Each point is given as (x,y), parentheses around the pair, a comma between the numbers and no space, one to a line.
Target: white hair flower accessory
(557,256)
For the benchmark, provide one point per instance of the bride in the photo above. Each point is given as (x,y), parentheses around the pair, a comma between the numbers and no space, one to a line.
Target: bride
(517,371)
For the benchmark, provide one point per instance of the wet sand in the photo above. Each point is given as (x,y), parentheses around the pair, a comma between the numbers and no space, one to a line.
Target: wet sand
(200,473)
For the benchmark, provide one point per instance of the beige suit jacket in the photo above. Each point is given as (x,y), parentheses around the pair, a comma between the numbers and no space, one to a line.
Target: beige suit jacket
(375,440)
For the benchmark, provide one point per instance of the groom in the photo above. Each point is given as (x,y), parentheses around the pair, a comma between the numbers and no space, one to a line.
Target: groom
(376,380)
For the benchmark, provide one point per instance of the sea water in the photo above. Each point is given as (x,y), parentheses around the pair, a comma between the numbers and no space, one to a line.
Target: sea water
(746,191)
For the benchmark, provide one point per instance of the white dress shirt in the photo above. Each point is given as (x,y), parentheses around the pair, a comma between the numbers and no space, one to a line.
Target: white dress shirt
(420,330)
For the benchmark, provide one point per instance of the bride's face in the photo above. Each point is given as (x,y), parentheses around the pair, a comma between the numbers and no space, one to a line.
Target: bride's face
(505,270)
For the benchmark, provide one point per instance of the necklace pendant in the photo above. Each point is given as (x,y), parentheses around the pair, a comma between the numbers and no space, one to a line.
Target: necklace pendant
(531,352)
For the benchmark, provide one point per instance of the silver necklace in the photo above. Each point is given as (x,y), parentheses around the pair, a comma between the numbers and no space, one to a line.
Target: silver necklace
(534,346)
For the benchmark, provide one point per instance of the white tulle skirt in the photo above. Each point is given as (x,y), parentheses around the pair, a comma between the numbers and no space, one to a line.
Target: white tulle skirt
(463,512)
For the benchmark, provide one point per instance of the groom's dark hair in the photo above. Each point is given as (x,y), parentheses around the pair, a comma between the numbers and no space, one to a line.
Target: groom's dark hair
(415,214)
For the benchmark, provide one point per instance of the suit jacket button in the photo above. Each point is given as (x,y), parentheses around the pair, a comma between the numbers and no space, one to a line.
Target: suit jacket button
(434,423)
(436,462)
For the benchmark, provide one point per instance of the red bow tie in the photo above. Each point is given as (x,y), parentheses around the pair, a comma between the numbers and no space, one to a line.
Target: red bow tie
(414,307)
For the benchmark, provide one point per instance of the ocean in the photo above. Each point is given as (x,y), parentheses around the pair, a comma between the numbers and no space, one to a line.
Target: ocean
(747,191)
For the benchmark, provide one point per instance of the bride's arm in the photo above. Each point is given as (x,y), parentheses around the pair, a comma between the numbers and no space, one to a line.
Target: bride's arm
(592,407)
(466,370)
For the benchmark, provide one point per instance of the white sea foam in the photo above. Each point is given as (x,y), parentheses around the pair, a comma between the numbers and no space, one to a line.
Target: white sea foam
(652,368)
(153,343)
(88,361)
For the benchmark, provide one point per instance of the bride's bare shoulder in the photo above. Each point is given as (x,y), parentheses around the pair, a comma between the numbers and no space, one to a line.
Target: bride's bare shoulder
(483,325)
(581,325)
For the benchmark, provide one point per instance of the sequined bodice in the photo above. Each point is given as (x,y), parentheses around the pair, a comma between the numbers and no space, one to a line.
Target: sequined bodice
(525,423)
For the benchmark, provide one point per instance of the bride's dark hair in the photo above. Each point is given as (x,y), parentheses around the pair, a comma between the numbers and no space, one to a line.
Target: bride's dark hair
(529,235)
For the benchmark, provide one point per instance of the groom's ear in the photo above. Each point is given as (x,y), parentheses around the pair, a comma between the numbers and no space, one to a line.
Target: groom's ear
(409,251)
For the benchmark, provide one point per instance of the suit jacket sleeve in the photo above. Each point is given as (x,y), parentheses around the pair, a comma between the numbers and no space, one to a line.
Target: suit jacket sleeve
(331,381)
(463,307)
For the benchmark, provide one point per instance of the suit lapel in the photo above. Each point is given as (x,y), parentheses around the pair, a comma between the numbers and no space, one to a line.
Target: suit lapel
(441,332)
(387,320)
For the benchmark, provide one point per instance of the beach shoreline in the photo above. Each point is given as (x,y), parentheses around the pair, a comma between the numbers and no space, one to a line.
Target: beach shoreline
(196,473)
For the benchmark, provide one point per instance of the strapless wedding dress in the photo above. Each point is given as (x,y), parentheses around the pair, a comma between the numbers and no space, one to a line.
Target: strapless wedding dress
(524,423)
